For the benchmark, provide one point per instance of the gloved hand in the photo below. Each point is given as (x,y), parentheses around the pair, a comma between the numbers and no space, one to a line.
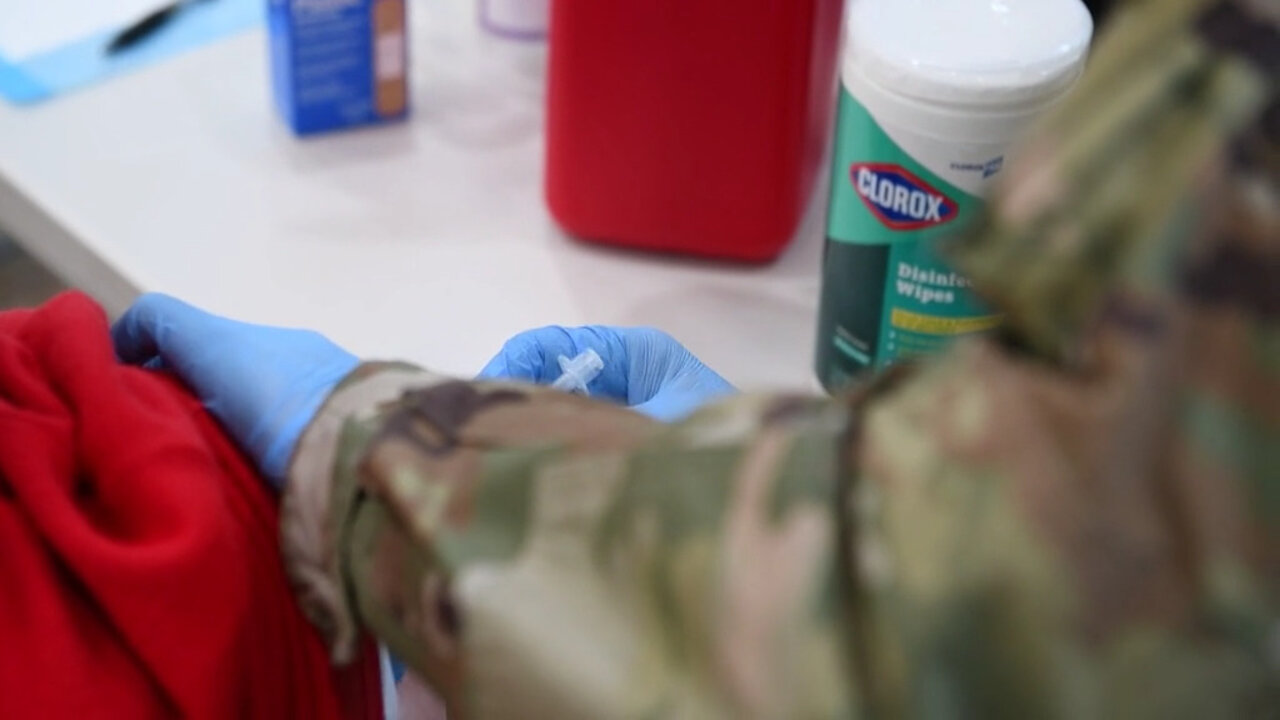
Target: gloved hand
(264,384)
(644,368)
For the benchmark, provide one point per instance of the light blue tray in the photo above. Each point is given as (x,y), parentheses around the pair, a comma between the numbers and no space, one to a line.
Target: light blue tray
(83,62)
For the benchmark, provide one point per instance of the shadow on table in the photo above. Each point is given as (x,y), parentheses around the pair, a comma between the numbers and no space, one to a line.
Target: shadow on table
(23,281)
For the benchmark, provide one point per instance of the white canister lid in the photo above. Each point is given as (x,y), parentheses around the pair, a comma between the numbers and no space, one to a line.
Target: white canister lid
(977,53)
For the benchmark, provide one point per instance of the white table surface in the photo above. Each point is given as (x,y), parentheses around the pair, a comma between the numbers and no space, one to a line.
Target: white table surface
(426,241)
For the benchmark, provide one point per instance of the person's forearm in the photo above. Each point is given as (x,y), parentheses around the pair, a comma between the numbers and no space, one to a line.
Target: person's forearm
(382,488)
(523,549)
(321,495)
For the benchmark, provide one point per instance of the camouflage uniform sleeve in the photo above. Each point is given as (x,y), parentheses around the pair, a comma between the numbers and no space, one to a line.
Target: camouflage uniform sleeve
(1078,518)
(536,554)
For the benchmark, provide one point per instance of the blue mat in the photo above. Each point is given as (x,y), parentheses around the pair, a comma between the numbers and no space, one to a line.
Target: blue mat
(83,62)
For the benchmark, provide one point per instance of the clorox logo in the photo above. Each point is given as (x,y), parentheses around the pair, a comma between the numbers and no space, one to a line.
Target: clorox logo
(900,199)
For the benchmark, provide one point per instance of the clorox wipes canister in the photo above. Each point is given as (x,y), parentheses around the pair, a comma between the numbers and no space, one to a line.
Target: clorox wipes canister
(932,94)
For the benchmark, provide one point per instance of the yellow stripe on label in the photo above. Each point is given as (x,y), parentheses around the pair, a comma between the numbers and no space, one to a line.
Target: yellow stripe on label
(936,325)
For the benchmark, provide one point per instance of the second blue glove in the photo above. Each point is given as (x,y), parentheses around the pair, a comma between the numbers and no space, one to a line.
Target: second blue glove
(644,368)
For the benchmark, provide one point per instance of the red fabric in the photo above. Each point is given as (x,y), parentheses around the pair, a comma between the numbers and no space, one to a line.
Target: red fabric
(139,570)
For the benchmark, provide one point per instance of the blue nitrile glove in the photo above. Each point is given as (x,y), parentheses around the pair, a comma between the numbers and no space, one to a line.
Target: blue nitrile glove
(264,383)
(644,368)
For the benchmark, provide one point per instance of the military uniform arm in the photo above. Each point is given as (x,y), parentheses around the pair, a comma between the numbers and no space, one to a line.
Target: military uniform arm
(536,554)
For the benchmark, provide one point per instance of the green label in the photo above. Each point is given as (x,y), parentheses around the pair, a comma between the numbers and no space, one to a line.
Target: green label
(886,293)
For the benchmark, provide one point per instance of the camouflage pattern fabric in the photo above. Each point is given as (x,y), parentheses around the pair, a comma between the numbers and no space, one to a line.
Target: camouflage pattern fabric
(1077,518)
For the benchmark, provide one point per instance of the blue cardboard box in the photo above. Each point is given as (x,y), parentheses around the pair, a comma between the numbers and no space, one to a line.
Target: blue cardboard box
(338,63)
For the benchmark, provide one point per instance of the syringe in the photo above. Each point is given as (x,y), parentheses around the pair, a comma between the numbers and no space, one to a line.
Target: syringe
(579,371)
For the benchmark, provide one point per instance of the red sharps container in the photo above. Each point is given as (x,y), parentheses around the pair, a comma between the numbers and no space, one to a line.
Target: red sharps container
(689,126)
